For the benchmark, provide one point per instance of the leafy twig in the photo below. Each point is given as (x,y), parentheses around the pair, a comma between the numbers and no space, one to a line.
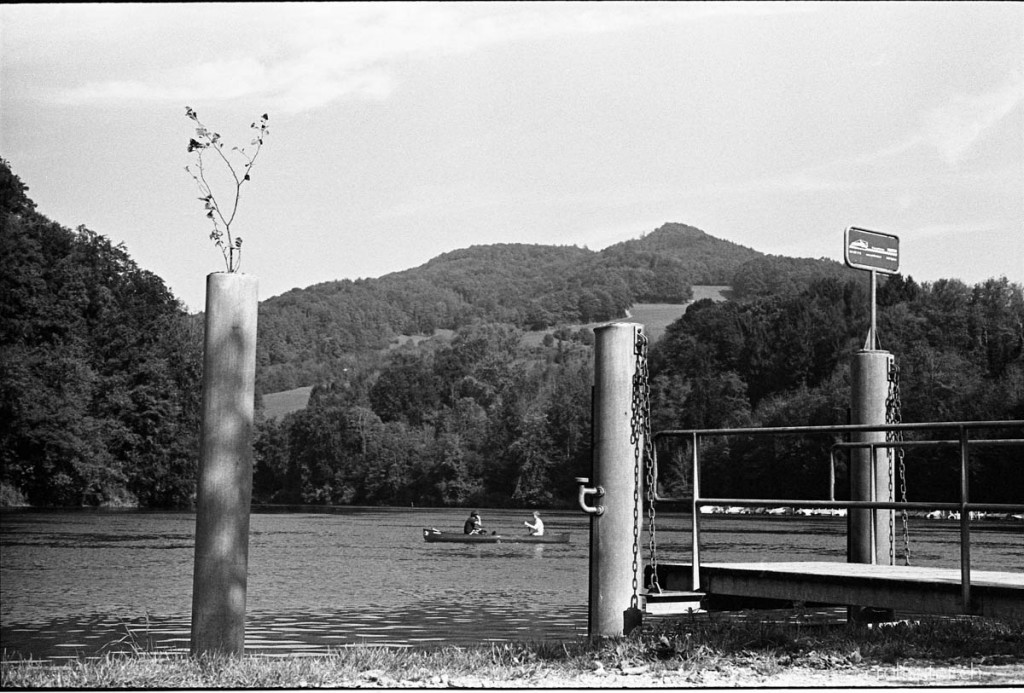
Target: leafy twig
(230,246)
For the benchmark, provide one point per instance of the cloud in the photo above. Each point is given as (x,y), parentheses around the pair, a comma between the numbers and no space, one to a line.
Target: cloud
(223,79)
(953,128)
(292,85)
(300,57)
(959,231)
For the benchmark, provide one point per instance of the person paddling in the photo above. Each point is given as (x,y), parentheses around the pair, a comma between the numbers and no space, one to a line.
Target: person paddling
(537,528)
(473,524)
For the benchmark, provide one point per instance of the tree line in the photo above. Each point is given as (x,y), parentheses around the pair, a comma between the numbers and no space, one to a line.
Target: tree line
(785,361)
(484,419)
(100,369)
(480,419)
(100,376)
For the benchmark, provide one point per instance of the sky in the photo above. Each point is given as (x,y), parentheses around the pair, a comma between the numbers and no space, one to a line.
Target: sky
(400,131)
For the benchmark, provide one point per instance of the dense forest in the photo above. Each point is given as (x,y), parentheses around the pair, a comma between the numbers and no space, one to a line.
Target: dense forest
(785,361)
(100,371)
(484,419)
(480,419)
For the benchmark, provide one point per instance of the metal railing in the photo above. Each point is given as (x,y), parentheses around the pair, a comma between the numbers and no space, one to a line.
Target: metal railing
(964,507)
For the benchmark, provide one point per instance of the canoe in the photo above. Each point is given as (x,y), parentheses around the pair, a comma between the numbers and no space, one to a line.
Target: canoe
(437,536)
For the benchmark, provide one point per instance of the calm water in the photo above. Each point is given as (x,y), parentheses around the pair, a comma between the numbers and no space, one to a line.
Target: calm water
(88,582)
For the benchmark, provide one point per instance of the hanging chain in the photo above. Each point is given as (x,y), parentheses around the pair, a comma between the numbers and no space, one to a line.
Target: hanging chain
(651,485)
(892,529)
(894,415)
(644,454)
(634,437)
(902,465)
(890,416)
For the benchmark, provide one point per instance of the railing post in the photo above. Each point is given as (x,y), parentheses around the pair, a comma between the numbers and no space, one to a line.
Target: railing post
(615,570)
(832,474)
(695,522)
(965,525)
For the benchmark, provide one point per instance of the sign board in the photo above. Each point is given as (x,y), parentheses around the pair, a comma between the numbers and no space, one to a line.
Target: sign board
(871,250)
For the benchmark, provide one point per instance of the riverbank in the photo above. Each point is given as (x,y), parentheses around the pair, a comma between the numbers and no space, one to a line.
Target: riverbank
(685,652)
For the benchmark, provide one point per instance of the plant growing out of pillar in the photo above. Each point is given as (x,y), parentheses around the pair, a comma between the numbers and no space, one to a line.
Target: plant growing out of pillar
(222,216)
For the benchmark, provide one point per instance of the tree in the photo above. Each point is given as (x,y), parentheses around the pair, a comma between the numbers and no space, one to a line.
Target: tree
(568,419)
(407,390)
(271,478)
(529,456)
(99,368)
(996,323)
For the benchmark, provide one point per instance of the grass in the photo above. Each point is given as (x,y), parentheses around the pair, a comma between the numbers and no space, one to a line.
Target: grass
(656,317)
(683,647)
(277,404)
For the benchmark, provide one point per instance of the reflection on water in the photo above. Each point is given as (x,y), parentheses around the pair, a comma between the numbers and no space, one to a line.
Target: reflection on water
(91,582)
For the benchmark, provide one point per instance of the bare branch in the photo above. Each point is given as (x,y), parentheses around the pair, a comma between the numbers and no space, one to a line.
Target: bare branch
(205,139)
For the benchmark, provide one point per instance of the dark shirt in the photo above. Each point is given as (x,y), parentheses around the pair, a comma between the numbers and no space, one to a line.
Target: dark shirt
(470,525)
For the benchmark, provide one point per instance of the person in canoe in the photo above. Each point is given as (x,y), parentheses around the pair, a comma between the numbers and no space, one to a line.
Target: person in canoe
(473,524)
(537,528)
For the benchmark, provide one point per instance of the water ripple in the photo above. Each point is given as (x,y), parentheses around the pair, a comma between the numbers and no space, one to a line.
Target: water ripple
(313,632)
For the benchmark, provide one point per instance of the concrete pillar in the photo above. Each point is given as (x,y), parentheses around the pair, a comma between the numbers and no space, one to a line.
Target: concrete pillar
(224,489)
(869,475)
(869,479)
(612,542)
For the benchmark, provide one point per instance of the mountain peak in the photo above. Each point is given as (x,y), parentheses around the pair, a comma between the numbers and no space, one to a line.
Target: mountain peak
(673,238)
(676,230)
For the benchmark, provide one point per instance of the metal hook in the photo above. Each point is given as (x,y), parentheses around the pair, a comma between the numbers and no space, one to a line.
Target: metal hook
(589,491)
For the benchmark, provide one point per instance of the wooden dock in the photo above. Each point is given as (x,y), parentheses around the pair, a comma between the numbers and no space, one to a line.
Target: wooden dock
(908,589)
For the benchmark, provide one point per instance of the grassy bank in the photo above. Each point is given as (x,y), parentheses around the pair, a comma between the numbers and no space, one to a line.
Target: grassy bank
(685,652)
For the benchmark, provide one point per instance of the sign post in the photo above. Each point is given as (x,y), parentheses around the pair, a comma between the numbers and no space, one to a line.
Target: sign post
(875,252)
(867,533)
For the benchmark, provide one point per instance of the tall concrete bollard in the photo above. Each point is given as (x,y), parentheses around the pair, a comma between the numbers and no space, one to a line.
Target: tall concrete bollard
(869,479)
(614,549)
(869,540)
(224,487)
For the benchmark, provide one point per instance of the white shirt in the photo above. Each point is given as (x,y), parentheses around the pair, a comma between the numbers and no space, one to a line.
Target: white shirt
(537,527)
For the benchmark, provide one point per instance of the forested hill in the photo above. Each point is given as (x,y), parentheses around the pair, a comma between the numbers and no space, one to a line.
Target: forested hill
(307,334)
(100,372)
(100,369)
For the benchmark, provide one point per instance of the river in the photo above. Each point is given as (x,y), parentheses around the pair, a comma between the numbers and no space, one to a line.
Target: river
(87,582)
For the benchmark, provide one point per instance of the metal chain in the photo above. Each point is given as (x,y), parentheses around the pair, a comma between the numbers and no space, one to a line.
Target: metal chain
(902,466)
(892,529)
(636,425)
(643,395)
(894,415)
(889,436)
(643,456)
